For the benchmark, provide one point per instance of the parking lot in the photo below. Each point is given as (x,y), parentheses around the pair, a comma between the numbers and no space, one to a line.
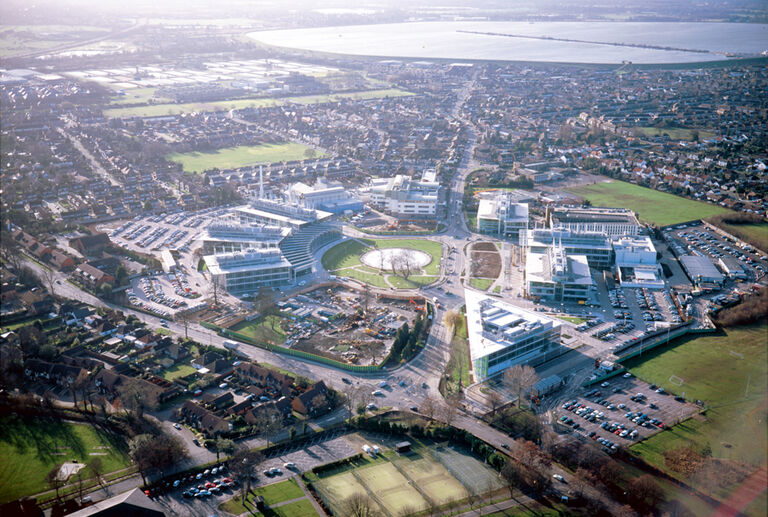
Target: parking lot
(615,411)
(303,454)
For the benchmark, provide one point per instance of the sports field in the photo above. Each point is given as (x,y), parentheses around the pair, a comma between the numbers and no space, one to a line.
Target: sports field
(344,260)
(652,206)
(410,482)
(729,373)
(242,156)
(30,448)
(158,110)
(677,133)
(276,496)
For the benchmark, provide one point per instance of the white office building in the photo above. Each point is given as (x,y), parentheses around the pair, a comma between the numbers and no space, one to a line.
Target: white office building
(499,215)
(230,236)
(636,263)
(246,272)
(616,222)
(281,213)
(334,199)
(502,335)
(558,276)
(406,197)
(595,246)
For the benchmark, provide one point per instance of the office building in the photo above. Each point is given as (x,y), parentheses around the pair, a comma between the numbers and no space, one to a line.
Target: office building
(593,245)
(502,335)
(615,222)
(406,197)
(558,276)
(499,215)
(636,263)
(248,271)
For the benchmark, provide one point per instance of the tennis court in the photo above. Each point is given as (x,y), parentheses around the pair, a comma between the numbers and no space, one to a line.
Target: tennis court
(476,477)
(337,488)
(432,478)
(391,488)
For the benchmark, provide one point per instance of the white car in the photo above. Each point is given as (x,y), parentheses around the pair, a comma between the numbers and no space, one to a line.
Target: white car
(559,478)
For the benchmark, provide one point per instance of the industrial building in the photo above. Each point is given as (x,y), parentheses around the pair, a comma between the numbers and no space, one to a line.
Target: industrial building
(403,196)
(636,263)
(502,335)
(732,267)
(593,245)
(499,215)
(615,222)
(702,272)
(558,276)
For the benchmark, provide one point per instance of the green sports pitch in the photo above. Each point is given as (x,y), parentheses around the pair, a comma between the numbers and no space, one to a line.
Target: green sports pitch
(652,206)
(243,156)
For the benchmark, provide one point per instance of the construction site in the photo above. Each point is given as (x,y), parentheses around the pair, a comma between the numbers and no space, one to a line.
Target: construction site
(352,326)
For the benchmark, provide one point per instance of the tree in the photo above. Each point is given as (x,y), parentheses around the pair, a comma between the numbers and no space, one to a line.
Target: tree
(645,490)
(520,378)
(141,450)
(494,401)
(268,422)
(428,407)
(242,464)
(53,479)
(366,297)
(359,505)
(49,275)
(224,445)
(159,452)
(453,321)
(511,475)
(183,318)
(450,409)
(105,289)
(215,286)
(97,469)
(137,396)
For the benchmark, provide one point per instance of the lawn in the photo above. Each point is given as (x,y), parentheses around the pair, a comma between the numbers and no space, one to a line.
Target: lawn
(178,370)
(459,365)
(652,206)
(262,329)
(572,319)
(344,260)
(241,156)
(676,133)
(346,254)
(481,283)
(158,110)
(274,494)
(29,449)
(719,370)
(138,96)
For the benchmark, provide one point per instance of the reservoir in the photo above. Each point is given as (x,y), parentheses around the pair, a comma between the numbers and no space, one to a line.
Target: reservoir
(565,42)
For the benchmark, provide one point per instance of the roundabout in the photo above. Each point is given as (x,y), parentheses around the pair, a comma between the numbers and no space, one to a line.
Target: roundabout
(391,259)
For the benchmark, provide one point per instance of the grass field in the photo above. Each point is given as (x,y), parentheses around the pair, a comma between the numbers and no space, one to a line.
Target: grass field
(676,133)
(262,329)
(139,96)
(274,494)
(652,206)
(242,156)
(158,110)
(715,369)
(572,319)
(344,260)
(756,232)
(29,449)
(458,366)
(481,283)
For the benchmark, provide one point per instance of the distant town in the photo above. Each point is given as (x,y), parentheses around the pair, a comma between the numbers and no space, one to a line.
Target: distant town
(247,280)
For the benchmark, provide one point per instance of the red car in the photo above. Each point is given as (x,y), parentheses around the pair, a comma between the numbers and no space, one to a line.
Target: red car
(210,485)
(227,480)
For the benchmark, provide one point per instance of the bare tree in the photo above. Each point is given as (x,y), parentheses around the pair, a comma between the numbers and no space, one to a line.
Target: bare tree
(53,479)
(520,378)
(453,321)
(268,422)
(138,395)
(183,318)
(49,275)
(366,297)
(215,287)
(242,464)
(494,401)
(450,409)
(97,469)
(428,407)
(359,505)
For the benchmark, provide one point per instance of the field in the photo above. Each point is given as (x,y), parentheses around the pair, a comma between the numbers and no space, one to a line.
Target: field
(652,206)
(275,496)
(458,363)
(411,482)
(719,370)
(344,260)
(242,156)
(158,110)
(20,39)
(481,283)
(178,370)
(757,233)
(30,448)
(262,329)
(676,133)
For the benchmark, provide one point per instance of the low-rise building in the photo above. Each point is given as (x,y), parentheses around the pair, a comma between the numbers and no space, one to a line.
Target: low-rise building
(502,335)
(248,271)
(702,271)
(616,222)
(403,196)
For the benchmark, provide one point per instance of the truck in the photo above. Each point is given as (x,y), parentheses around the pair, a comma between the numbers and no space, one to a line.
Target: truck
(231,345)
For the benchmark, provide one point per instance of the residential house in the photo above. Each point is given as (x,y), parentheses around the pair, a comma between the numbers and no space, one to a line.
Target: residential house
(313,402)
(203,419)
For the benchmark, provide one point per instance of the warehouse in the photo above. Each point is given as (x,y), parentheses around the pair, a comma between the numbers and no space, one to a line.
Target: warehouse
(702,271)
